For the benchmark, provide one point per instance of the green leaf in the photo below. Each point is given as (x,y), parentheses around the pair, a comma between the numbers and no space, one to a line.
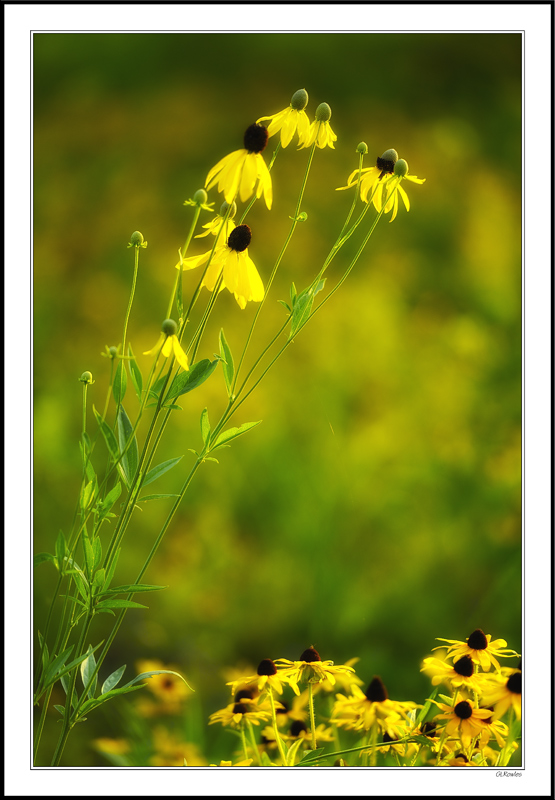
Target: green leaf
(88,667)
(157,386)
(227,362)
(310,755)
(87,707)
(40,558)
(61,709)
(87,494)
(110,499)
(61,550)
(119,387)
(134,587)
(130,460)
(187,381)
(112,680)
(233,433)
(205,426)
(149,497)
(112,569)
(302,306)
(119,604)
(89,555)
(99,578)
(157,672)
(426,707)
(55,666)
(135,372)
(156,472)
(108,435)
(292,752)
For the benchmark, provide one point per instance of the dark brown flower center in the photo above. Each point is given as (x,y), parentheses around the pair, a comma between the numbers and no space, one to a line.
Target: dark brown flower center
(255,138)
(239,238)
(266,667)
(244,694)
(388,738)
(240,708)
(464,667)
(385,166)
(297,727)
(429,729)
(477,640)
(310,654)
(514,684)
(376,691)
(463,710)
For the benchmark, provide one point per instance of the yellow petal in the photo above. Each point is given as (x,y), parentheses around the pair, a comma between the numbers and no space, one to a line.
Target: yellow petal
(156,346)
(179,353)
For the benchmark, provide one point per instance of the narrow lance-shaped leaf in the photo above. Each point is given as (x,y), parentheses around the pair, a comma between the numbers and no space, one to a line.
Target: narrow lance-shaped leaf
(227,362)
(61,550)
(130,460)
(187,381)
(135,372)
(156,472)
(112,680)
(119,386)
(233,433)
(205,426)
(108,435)
(88,667)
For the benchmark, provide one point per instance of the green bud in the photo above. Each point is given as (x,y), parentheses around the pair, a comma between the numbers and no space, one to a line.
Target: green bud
(299,100)
(87,378)
(224,208)
(390,155)
(169,327)
(401,168)
(113,351)
(362,148)
(200,197)
(323,112)
(137,240)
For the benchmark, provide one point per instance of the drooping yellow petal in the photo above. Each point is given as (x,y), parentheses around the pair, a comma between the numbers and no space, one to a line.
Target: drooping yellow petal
(156,346)
(179,353)
(249,176)
(167,348)
(265,185)
(404,197)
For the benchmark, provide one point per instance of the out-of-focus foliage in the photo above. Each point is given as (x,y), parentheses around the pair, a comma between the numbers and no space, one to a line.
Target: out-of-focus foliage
(378,505)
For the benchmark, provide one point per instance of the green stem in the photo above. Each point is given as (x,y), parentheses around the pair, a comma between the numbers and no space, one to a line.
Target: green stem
(275,726)
(311,714)
(183,251)
(131,297)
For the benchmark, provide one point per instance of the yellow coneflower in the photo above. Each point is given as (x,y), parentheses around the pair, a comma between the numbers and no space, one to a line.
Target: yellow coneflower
(244,171)
(310,669)
(480,648)
(170,344)
(291,119)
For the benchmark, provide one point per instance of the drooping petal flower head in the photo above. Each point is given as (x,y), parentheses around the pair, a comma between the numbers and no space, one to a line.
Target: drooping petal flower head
(369,176)
(244,171)
(170,344)
(388,191)
(231,267)
(320,130)
(506,693)
(290,119)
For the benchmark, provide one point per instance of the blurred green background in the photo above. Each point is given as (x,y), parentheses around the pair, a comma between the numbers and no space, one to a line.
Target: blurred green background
(378,505)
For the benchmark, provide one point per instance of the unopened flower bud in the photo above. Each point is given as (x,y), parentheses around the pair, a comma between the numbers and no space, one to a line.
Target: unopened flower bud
(137,240)
(323,112)
(87,378)
(169,327)
(112,351)
(401,168)
(225,206)
(200,197)
(299,100)
(390,155)
(362,148)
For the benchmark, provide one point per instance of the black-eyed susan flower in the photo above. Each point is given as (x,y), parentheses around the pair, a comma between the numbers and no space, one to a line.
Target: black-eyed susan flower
(267,677)
(244,171)
(310,669)
(170,344)
(234,713)
(291,119)
(168,689)
(459,674)
(505,693)
(464,721)
(388,191)
(299,730)
(232,263)
(370,176)
(362,710)
(480,648)
(320,130)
